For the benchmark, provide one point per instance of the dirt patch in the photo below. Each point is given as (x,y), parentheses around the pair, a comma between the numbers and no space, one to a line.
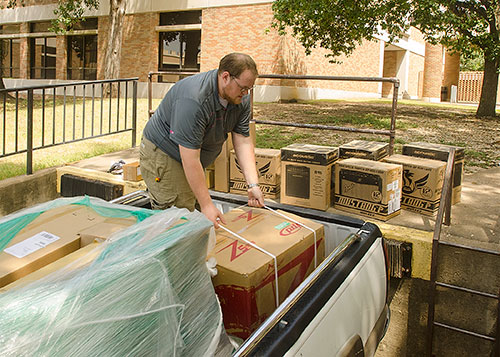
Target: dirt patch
(415,122)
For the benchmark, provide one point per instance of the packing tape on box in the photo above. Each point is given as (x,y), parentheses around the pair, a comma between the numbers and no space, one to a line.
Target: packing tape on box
(300,224)
(263,251)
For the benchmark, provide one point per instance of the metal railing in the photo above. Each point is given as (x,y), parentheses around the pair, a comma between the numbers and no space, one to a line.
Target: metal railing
(391,133)
(43,116)
(444,212)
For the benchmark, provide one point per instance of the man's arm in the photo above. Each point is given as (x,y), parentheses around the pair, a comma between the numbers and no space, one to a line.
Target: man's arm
(244,149)
(195,176)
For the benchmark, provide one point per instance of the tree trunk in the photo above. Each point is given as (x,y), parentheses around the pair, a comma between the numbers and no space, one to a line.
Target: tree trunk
(114,43)
(487,103)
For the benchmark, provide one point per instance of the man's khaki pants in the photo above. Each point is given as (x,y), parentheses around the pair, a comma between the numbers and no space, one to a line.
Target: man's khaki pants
(165,179)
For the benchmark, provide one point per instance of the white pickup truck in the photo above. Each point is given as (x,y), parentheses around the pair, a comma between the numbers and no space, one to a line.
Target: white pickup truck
(341,308)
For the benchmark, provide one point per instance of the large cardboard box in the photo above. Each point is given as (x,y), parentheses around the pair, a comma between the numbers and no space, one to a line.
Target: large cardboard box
(132,171)
(362,149)
(268,164)
(422,183)
(370,188)
(306,175)
(221,164)
(50,236)
(245,283)
(440,152)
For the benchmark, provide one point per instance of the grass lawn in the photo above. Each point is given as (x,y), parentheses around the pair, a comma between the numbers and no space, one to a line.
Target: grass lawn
(416,121)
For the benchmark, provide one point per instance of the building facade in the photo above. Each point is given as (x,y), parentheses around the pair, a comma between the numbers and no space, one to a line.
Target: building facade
(193,36)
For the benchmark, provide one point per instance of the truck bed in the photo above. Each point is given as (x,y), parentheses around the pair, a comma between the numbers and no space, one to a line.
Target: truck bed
(340,308)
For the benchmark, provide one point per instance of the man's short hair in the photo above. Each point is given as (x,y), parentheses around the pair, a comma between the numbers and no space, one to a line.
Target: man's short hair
(236,63)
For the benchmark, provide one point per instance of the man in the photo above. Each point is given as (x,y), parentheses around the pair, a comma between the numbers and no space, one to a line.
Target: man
(188,129)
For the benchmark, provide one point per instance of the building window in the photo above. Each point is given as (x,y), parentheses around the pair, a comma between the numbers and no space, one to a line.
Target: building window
(9,52)
(42,52)
(180,39)
(82,57)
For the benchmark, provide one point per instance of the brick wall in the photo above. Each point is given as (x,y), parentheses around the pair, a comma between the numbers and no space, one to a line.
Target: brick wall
(451,71)
(433,71)
(140,46)
(390,70)
(248,29)
(139,53)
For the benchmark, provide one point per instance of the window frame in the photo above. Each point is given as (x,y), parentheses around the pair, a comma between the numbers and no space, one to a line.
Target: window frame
(84,69)
(9,37)
(188,21)
(44,68)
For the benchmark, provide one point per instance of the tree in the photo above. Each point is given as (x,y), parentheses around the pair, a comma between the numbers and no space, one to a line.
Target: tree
(69,12)
(340,25)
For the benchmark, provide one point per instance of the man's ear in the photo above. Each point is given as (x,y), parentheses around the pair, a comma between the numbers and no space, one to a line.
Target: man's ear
(225,75)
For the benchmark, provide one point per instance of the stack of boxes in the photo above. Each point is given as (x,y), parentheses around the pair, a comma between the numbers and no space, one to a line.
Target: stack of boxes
(268,168)
(368,187)
(422,183)
(306,175)
(246,278)
(440,152)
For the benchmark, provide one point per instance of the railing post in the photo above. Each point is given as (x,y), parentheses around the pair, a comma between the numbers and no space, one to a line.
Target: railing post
(29,136)
(134,113)
(395,94)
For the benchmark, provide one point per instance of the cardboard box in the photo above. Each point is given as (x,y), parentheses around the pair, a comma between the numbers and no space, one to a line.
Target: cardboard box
(245,283)
(370,188)
(210,176)
(440,152)
(132,171)
(422,183)
(306,175)
(268,164)
(362,149)
(221,164)
(50,236)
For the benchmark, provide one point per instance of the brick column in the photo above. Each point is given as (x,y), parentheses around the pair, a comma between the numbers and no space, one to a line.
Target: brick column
(451,71)
(61,57)
(24,66)
(433,73)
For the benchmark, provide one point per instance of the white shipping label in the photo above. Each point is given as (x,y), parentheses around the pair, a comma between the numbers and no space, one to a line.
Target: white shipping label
(138,171)
(390,209)
(397,205)
(389,187)
(32,244)
(395,185)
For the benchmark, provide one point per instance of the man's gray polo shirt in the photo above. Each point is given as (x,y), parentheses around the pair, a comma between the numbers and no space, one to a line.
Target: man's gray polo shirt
(191,115)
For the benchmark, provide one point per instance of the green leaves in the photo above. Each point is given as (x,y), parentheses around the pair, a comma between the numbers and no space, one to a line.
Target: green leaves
(70,12)
(341,25)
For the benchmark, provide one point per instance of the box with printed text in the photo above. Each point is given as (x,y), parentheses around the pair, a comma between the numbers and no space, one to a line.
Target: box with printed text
(363,149)
(367,187)
(268,168)
(245,283)
(422,183)
(306,175)
(440,152)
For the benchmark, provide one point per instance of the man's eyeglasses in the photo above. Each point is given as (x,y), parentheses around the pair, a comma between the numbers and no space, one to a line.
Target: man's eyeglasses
(242,88)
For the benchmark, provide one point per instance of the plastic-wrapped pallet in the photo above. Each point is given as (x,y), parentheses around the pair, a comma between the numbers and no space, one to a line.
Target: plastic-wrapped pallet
(148,292)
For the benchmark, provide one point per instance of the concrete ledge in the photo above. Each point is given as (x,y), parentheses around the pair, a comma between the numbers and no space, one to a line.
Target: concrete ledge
(421,247)
(27,190)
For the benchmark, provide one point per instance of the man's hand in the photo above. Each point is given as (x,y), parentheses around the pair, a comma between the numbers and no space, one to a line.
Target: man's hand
(255,197)
(213,214)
